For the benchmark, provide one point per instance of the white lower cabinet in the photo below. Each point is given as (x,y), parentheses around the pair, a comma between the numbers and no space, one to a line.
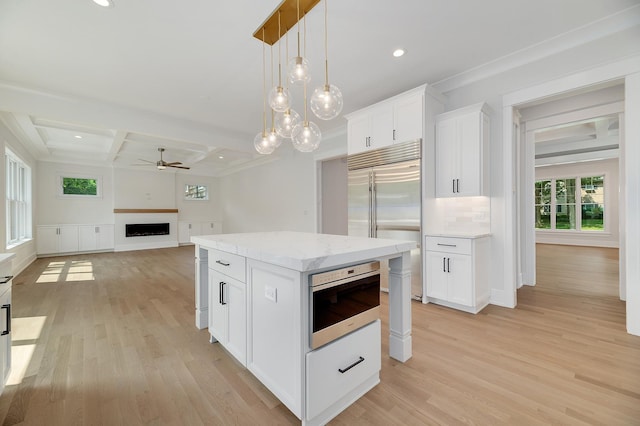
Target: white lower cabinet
(5,319)
(228,314)
(95,237)
(338,369)
(186,230)
(53,239)
(58,239)
(457,272)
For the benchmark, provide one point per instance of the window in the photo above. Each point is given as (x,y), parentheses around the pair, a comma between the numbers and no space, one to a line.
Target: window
(575,204)
(18,203)
(79,186)
(195,192)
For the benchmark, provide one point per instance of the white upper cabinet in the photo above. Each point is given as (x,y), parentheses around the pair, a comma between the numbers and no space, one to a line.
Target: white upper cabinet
(462,155)
(395,120)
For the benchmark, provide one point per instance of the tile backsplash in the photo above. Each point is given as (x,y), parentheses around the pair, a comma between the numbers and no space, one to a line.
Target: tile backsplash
(460,215)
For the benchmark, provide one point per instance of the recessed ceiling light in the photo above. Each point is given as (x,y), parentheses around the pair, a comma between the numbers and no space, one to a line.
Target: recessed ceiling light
(104,3)
(78,137)
(396,53)
(221,157)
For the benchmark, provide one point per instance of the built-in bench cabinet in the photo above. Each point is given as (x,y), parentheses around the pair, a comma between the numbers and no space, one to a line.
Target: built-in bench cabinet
(457,271)
(58,239)
(188,229)
(395,120)
(462,155)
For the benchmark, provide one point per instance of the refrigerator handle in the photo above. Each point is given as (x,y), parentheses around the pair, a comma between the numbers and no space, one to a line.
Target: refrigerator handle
(374,207)
(370,207)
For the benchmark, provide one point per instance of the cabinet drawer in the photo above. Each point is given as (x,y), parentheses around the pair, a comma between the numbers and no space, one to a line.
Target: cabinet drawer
(448,244)
(229,264)
(329,377)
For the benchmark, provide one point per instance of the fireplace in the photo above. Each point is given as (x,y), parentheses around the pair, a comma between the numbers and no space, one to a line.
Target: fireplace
(146,229)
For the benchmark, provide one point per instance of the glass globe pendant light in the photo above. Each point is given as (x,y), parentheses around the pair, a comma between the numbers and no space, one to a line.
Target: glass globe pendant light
(279,97)
(286,120)
(298,67)
(306,135)
(261,142)
(326,101)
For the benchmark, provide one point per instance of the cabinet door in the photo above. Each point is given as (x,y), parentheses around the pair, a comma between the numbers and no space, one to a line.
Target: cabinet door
(235,297)
(104,237)
(184,232)
(67,238)
(47,239)
(436,275)
(358,133)
(408,119)
(470,155)
(460,280)
(381,126)
(446,158)
(86,237)
(5,341)
(217,306)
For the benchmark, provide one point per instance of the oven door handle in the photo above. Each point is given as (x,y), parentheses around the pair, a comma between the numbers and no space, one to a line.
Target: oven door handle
(344,370)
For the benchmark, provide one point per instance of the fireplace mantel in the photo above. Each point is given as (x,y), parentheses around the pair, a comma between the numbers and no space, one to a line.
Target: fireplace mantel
(145,210)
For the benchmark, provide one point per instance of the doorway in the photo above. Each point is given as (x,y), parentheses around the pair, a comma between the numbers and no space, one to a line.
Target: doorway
(568,181)
(333,196)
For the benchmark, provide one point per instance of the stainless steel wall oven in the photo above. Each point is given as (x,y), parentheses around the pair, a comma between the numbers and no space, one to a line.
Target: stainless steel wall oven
(344,300)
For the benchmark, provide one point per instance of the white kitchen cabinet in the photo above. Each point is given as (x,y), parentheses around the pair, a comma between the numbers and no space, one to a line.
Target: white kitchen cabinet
(52,239)
(95,237)
(5,317)
(395,120)
(186,230)
(227,313)
(457,272)
(462,156)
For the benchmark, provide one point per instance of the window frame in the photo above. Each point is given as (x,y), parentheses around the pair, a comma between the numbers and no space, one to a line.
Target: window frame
(18,200)
(60,185)
(186,196)
(577,204)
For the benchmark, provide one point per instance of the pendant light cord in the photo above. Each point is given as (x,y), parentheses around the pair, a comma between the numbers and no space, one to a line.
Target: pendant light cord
(264,87)
(298,9)
(326,48)
(279,55)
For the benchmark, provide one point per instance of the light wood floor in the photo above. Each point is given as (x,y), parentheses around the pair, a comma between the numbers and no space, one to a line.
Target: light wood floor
(109,339)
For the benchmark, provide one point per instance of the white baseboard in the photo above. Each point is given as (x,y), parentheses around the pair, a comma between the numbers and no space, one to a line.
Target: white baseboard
(146,246)
(502,298)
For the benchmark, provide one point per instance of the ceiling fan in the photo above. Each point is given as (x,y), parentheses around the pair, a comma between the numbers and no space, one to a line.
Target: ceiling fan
(161,164)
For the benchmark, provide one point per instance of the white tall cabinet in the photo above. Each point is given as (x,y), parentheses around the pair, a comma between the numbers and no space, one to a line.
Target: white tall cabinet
(462,155)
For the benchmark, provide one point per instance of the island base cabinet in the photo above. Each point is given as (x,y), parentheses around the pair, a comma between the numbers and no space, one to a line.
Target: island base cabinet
(228,313)
(341,372)
(274,344)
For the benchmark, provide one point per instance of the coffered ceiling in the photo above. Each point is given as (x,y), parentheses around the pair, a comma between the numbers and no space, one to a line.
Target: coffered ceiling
(84,84)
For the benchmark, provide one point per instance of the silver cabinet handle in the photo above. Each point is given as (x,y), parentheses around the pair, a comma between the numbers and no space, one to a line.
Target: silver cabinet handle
(447,245)
(220,262)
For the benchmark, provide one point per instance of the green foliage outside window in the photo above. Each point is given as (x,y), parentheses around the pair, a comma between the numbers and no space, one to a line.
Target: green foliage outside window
(79,186)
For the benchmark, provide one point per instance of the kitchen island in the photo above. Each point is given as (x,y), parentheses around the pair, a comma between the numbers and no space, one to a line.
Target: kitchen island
(253,293)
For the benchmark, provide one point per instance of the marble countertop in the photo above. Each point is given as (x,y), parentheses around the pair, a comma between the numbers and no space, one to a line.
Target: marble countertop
(303,251)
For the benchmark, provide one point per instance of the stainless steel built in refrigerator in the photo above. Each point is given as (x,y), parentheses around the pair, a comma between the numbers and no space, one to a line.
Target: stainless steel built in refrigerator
(385,200)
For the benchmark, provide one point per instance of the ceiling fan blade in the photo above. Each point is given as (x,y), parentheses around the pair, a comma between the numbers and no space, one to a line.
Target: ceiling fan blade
(175,163)
(146,161)
(178,167)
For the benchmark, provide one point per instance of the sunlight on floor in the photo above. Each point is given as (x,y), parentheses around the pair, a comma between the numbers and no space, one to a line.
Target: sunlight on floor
(70,270)
(24,335)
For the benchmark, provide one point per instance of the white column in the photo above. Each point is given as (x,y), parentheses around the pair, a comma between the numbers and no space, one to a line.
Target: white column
(632,189)
(400,307)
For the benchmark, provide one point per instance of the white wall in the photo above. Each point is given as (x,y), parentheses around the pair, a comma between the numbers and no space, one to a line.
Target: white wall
(560,63)
(51,209)
(608,238)
(281,195)
(198,210)
(135,189)
(26,252)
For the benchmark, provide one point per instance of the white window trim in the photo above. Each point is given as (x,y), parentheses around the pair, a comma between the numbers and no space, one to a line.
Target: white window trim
(25,231)
(578,197)
(195,199)
(61,176)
